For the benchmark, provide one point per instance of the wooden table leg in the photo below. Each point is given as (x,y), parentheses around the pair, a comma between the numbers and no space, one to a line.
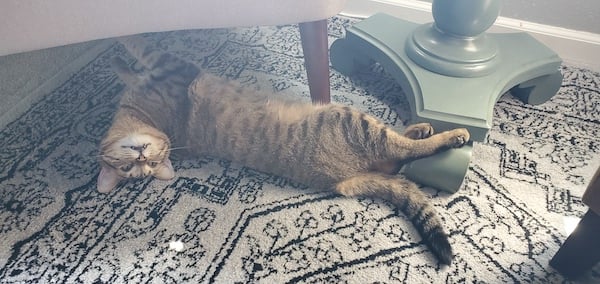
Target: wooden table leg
(316,59)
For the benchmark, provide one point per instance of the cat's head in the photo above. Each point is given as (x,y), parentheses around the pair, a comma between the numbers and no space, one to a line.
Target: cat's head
(133,155)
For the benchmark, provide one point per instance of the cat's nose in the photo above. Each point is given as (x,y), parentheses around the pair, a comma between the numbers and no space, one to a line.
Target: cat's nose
(141,158)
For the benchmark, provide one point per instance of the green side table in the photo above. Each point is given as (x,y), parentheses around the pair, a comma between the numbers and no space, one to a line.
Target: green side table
(452,73)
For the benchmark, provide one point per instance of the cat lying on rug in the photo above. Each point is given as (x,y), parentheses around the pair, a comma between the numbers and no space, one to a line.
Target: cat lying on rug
(172,103)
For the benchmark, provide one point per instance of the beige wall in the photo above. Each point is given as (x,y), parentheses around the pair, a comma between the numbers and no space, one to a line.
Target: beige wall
(582,15)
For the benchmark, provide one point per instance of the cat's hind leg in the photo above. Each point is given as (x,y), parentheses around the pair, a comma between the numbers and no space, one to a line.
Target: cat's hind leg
(410,200)
(418,131)
(392,166)
(454,138)
(404,149)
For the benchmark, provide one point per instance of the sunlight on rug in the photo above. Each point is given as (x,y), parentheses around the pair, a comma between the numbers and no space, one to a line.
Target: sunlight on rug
(570,224)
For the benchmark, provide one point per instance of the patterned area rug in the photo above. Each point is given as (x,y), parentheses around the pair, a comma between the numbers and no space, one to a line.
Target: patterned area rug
(239,225)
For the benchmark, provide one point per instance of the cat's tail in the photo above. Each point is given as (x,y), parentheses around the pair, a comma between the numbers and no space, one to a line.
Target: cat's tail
(152,57)
(158,63)
(147,54)
(410,200)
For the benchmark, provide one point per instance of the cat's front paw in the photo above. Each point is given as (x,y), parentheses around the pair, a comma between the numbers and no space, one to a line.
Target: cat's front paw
(460,137)
(418,131)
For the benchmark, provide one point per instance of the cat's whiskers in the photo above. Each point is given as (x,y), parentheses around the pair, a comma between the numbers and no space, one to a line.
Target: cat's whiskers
(177,148)
(103,156)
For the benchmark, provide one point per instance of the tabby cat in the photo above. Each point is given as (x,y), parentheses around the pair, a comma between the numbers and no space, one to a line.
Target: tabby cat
(170,102)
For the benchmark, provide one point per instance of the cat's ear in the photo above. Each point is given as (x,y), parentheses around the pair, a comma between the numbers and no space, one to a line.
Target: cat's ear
(165,170)
(107,180)
(124,71)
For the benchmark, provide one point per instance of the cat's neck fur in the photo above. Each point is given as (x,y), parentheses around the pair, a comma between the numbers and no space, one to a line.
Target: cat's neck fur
(130,121)
(134,114)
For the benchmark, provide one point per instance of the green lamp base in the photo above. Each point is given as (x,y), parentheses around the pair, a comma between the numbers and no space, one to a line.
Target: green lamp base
(518,63)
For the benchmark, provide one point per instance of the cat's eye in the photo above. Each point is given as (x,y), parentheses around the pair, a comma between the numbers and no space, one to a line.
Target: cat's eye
(127,167)
(153,164)
(138,148)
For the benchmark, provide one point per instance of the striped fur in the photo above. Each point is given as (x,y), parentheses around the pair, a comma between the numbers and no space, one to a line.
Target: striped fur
(323,146)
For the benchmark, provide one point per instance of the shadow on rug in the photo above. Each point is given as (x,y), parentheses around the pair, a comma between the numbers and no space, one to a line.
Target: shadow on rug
(239,225)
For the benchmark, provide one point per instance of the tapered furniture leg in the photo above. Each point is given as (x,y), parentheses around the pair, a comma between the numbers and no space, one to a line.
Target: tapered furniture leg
(581,251)
(316,59)
(451,72)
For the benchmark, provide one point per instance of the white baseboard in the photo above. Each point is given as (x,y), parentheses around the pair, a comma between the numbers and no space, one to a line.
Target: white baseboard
(574,47)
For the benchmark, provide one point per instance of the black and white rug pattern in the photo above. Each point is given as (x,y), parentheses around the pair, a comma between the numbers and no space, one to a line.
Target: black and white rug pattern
(239,225)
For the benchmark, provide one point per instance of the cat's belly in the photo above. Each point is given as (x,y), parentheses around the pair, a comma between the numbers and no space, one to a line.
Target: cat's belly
(304,174)
(296,142)
(308,174)
(303,166)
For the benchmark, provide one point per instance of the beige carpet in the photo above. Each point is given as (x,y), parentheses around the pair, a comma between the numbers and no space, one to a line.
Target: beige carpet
(25,77)
(239,225)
